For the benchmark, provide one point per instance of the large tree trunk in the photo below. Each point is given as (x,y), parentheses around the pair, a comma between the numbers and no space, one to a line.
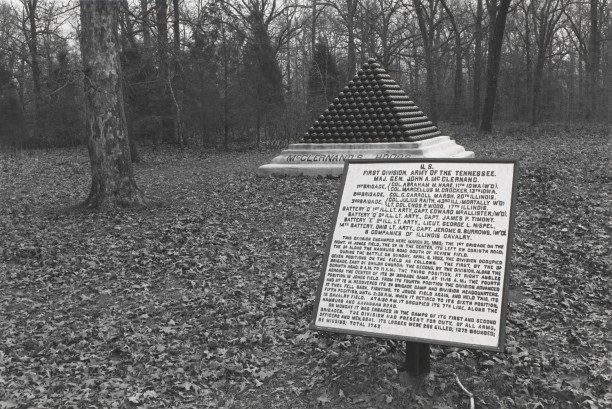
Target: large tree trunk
(498,15)
(112,175)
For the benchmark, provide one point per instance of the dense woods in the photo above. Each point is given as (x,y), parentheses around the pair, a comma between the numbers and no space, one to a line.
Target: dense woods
(247,73)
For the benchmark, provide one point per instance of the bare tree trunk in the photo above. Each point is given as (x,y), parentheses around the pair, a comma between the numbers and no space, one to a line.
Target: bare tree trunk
(112,175)
(129,120)
(572,87)
(528,55)
(498,15)
(21,84)
(146,33)
(178,131)
(538,73)
(128,41)
(225,90)
(581,84)
(176,26)
(593,59)
(364,40)
(427,34)
(124,31)
(31,34)
(417,71)
(313,29)
(477,63)
(161,16)
(177,114)
(225,108)
(288,67)
(458,89)
(351,6)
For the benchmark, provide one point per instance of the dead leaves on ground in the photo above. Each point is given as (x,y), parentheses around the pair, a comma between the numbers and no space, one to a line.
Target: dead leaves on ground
(205,300)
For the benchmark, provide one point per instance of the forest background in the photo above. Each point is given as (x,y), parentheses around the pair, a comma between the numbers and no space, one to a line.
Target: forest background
(256,73)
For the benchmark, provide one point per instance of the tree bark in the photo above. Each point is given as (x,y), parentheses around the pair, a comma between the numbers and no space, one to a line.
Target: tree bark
(112,174)
(146,34)
(226,58)
(31,34)
(458,89)
(528,55)
(176,26)
(129,41)
(477,63)
(538,73)
(498,15)
(176,100)
(313,28)
(351,6)
(414,89)
(593,59)
(161,16)
(430,86)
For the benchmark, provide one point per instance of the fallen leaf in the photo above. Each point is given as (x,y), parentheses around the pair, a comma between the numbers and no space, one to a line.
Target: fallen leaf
(323,399)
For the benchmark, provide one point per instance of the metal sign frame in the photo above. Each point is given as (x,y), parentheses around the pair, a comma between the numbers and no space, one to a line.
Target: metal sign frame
(506,275)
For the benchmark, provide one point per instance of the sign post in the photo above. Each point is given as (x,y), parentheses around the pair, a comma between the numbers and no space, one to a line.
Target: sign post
(419,251)
(417,358)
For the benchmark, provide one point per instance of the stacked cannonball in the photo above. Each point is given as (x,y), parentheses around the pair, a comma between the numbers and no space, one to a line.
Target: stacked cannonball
(372,108)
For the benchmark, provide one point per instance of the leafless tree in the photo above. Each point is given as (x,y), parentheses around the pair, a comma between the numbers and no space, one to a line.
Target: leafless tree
(112,175)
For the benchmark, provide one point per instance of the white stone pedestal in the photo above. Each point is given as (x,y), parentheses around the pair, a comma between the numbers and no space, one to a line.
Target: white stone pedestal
(327,159)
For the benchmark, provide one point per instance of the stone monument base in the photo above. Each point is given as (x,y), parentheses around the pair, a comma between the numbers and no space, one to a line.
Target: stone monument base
(327,159)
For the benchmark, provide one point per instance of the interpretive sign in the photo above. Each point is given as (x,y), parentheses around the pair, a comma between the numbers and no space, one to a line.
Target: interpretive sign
(420,251)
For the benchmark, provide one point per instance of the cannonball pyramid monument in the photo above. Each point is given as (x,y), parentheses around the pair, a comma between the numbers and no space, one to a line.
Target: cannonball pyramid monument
(372,118)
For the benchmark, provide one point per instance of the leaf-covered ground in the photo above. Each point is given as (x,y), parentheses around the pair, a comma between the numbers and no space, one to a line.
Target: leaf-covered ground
(204,299)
